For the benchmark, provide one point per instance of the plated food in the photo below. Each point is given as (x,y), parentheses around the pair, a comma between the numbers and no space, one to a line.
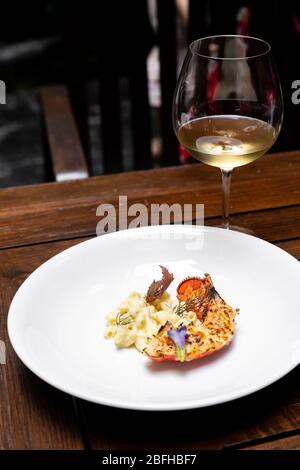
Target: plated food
(56,322)
(197,323)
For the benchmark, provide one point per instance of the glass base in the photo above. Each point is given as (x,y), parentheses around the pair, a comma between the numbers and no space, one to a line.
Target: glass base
(236,228)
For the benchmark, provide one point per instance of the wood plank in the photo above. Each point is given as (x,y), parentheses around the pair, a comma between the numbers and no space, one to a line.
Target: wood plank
(262,223)
(64,210)
(272,225)
(187,179)
(33,415)
(283,443)
(67,155)
(292,247)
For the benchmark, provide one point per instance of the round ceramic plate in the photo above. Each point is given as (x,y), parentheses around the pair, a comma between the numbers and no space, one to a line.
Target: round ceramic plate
(56,321)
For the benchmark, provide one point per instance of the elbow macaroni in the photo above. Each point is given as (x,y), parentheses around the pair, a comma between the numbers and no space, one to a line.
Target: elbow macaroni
(146,320)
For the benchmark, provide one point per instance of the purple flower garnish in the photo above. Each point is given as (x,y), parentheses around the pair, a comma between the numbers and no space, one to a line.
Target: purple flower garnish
(178,336)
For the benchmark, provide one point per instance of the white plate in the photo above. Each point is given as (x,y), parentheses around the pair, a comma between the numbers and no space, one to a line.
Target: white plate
(56,321)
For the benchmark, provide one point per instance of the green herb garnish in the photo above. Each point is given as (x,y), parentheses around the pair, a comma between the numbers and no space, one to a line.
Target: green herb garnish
(123,319)
(190,304)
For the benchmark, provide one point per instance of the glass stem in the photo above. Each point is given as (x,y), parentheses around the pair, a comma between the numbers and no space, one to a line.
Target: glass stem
(226,180)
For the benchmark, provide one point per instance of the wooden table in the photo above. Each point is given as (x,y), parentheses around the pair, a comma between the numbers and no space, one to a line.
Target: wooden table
(36,222)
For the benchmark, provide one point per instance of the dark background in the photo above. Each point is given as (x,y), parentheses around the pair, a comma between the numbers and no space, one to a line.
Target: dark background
(86,45)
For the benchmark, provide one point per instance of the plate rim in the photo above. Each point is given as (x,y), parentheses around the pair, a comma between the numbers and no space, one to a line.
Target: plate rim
(144,406)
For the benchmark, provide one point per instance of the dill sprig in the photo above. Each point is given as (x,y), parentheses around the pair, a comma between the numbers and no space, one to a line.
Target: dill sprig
(196,303)
(123,319)
(191,303)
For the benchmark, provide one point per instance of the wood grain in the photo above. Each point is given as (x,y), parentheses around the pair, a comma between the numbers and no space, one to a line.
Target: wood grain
(54,211)
(291,246)
(63,223)
(272,225)
(33,415)
(283,443)
(65,146)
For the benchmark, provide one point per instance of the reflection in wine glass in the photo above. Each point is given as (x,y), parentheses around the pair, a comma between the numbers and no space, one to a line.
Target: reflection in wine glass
(227,85)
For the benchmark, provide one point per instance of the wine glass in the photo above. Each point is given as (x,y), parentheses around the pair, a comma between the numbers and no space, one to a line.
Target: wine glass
(228,107)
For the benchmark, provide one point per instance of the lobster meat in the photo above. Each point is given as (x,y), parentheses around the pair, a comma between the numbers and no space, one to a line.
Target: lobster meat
(211,330)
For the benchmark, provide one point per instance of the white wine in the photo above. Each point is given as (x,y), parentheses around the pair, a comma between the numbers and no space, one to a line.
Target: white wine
(226,141)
